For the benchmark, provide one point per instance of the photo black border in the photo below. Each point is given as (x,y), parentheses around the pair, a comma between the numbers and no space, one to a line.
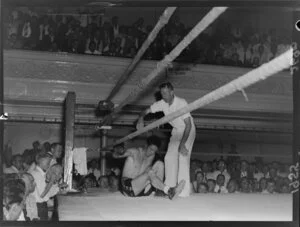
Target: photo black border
(158,3)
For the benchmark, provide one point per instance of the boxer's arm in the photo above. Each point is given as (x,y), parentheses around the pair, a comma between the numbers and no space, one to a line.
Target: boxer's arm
(140,122)
(127,153)
(186,133)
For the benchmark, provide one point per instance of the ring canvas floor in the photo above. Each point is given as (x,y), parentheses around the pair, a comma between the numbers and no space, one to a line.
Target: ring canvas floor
(105,206)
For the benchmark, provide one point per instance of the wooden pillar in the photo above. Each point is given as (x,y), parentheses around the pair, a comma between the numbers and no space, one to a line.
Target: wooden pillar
(1,89)
(69,137)
(103,152)
(296,108)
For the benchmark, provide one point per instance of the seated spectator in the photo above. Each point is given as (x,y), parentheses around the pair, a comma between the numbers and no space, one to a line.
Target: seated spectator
(273,174)
(270,187)
(211,185)
(202,188)
(103,182)
(13,199)
(90,181)
(206,170)
(220,184)
(258,174)
(244,169)
(219,60)
(245,188)
(265,171)
(113,183)
(92,49)
(252,185)
(193,167)
(285,188)
(232,186)
(16,165)
(214,166)
(199,180)
(283,170)
(283,46)
(94,168)
(235,60)
(174,37)
(46,147)
(263,54)
(262,184)
(221,169)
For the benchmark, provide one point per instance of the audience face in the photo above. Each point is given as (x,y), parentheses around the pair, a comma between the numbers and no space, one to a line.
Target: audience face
(202,188)
(113,183)
(18,162)
(285,188)
(271,187)
(36,145)
(263,183)
(211,185)
(221,166)
(44,163)
(94,164)
(199,177)
(103,182)
(220,180)
(205,167)
(244,166)
(89,182)
(245,185)
(252,168)
(255,61)
(57,151)
(193,165)
(265,169)
(232,186)
(273,173)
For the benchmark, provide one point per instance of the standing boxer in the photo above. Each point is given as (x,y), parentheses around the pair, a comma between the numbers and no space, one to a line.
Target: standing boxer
(177,159)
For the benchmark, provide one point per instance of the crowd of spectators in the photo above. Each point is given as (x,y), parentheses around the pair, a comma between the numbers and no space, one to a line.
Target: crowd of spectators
(34,178)
(239,176)
(91,34)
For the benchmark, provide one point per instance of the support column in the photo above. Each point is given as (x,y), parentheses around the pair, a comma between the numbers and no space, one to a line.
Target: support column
(1,91)
(69,137)
(103,152)
(296,105)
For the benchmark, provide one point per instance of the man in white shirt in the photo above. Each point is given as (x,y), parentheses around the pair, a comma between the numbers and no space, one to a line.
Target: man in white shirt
(17,165)
(177,159)
(39,175)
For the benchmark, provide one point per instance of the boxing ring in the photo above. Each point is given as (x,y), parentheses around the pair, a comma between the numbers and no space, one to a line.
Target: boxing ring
(99,206)
(102,206)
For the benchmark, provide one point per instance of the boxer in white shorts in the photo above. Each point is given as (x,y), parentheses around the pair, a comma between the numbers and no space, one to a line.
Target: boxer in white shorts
(177,159)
